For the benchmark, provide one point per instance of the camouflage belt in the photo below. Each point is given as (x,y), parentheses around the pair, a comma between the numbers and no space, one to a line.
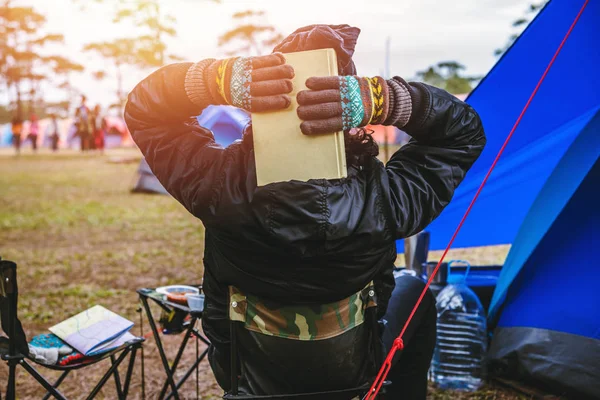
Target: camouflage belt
(312,322)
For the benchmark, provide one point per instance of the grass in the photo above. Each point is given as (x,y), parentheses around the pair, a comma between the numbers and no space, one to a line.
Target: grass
(81,238)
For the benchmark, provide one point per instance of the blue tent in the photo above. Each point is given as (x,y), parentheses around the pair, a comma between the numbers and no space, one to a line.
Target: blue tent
(5,135)
(227,124)
(542,198)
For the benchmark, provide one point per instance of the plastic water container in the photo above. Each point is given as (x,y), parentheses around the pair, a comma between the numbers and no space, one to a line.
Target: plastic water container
(195,302)
(459,356)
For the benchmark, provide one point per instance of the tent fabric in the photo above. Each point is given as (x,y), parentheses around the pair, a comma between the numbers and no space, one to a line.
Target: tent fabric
(542,198)
(5,135)
(539,200)
(118,135)
(549,326)
(562,362)
(564,182)
(147,182)
(227,124)
(557,288)
(570,90)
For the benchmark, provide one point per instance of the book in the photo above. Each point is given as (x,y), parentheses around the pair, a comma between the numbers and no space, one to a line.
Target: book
(94,331)
(112,344)
(282,151)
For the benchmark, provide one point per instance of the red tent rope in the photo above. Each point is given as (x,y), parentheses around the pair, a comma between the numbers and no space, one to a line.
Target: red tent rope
(398,343)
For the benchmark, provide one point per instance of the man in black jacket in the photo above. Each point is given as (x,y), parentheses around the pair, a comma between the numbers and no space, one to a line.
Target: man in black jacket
(315,242)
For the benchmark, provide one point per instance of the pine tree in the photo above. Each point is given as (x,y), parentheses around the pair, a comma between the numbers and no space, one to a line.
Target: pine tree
(253,35)
(23,64)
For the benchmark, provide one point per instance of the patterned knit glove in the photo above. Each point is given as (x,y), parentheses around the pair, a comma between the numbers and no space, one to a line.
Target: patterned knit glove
(344,102)
(256,84)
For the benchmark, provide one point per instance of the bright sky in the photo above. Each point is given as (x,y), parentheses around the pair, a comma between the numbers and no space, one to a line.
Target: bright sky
(422,32)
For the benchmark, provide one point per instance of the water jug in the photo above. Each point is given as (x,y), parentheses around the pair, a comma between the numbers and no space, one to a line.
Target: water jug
(459,356)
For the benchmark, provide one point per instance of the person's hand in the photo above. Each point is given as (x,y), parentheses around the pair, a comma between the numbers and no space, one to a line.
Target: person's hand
(256,84)
(336,103)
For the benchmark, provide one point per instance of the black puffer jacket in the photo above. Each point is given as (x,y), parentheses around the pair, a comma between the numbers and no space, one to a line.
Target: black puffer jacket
(299,242)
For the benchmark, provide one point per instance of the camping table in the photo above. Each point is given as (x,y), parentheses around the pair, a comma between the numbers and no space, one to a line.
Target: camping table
(191,330)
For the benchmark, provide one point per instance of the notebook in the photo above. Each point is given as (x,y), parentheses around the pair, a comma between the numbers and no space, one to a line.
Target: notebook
(94,331)
(282,152)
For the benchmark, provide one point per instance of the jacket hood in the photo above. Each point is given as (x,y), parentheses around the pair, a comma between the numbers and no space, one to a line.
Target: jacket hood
(341,38)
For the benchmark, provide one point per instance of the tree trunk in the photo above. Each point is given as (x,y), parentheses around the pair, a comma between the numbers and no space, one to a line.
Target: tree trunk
(119,85)
(161,55)
(18,101)
(31,101)
(8,93)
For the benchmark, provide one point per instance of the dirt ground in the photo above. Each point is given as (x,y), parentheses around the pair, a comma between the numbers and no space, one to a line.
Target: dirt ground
(81,238)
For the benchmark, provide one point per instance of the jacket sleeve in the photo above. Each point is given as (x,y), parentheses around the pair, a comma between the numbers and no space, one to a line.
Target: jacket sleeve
(183,155)
(447,138)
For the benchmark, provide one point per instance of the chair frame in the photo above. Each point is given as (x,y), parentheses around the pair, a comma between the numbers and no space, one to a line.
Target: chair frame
(190,331)
(14,358)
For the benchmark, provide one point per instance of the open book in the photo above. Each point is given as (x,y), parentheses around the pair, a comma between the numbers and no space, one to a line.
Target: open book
(94,331)
(281,151)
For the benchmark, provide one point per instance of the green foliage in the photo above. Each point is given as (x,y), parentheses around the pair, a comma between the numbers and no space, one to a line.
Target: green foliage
(147,50)
(5,114)
(23,65)
(99,75)
(121,52)
(41,109)
(151,47)
(447,75)
(252,34)
(61,65)
(154,24)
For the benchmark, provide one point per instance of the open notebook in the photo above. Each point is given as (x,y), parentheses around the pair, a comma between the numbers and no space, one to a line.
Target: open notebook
(282,152)
(94,331)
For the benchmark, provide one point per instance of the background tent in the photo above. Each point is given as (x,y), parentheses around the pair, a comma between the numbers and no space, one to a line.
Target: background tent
(540,199)
(43,139)
(5,135)
(564,104)
(117,134)
(548,328)
(227,124)
(147,181)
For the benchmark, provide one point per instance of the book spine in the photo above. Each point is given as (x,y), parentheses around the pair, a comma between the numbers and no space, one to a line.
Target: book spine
(340,148)
(340,153)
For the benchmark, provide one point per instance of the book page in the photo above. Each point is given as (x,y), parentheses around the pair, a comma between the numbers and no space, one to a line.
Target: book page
(90,329)
(113,344)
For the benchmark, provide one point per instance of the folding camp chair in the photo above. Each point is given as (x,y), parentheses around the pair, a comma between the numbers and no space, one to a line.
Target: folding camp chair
(243,309)
(18,350)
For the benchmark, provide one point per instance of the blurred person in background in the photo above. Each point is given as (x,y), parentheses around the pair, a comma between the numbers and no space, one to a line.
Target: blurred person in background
(17,131)
(53,132)
(72,133)
(99,126)
(34,130)
(83,118)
